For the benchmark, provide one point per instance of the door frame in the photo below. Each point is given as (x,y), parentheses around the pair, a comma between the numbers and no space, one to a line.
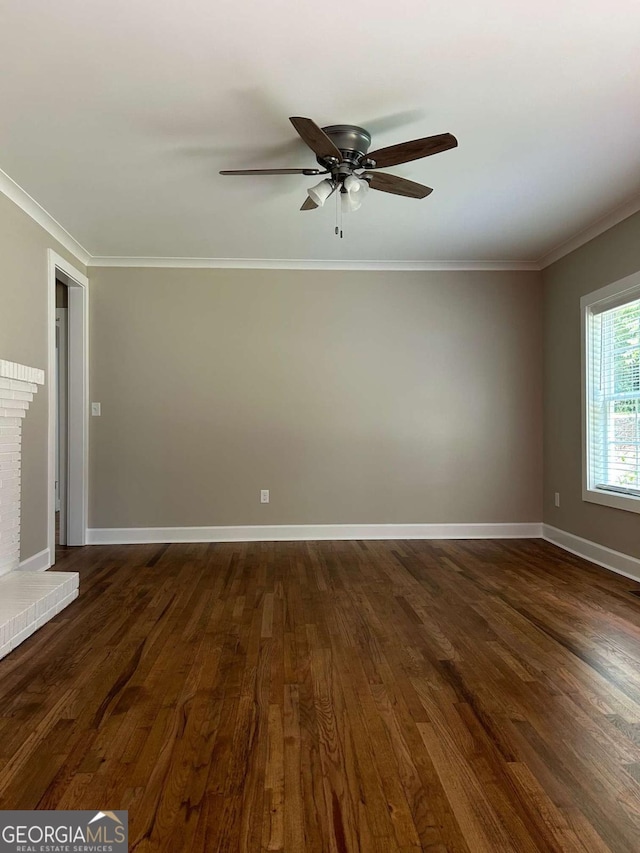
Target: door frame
(62,378)
(78,401)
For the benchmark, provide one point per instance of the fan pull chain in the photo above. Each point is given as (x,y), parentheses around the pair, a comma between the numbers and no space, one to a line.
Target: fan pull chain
(337,194)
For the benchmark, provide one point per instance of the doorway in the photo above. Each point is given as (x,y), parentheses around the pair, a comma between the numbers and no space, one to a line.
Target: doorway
(62,436)
(68,404)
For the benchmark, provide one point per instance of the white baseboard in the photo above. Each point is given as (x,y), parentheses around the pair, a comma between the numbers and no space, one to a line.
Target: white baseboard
(616,561)
(309,532)
(40,562)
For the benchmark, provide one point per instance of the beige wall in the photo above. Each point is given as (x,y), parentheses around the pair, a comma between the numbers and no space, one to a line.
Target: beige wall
(607,258)
(23,338)
(353,396)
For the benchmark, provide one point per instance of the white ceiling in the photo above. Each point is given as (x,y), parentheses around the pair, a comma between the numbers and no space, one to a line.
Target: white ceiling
(117,115)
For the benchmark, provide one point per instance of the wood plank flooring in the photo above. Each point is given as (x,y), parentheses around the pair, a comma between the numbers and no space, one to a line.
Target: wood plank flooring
(474,696)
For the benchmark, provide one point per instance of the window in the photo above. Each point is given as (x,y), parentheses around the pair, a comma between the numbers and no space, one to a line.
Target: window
(611,395)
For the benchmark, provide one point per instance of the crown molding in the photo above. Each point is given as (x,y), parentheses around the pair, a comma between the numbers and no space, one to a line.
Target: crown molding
(36,211)
(303,264)
(32,208)
(594,230)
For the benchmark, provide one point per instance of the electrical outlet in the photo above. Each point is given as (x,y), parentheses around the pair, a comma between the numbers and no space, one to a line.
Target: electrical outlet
(264,496)
(557,499)
(95,410)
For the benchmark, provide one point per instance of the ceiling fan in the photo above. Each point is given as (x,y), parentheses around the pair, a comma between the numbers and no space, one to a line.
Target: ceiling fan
(343,152)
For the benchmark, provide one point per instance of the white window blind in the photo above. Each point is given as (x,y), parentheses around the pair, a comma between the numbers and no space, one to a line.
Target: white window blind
(613,399)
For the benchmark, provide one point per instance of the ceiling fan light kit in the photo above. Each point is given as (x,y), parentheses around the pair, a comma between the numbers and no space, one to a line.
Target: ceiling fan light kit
(352,193)
(321,192)
(343,152)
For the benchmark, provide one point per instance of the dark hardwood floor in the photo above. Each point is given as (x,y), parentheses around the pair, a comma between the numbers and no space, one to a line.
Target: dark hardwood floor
(474,696)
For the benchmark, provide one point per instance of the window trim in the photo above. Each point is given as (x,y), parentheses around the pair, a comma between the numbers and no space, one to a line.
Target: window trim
(617,293)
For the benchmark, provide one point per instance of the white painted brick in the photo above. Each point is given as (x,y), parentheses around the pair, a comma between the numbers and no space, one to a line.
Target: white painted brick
(10,511)
(9,524)
(11,370)
(8,537)
(10,492)
(10,438)
(19,620)
(4,543)
(16,394)
(9,469)
(27,599)
(11,401)
(9,547)
(22,635)
(9,497)
(8,475)
(17,385)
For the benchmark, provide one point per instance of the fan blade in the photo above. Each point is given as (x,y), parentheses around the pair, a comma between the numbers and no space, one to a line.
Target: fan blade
(393,121)
(315,137)
(271,172)
(393,184)
(309,204)
(414,150)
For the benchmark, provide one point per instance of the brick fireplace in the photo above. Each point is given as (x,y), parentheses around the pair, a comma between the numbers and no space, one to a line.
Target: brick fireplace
(28,599)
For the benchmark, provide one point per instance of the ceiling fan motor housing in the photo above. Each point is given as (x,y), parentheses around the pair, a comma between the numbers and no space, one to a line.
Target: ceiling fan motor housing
(353,142)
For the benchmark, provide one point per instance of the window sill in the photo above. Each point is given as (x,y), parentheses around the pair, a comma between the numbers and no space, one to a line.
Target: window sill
(599,496)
